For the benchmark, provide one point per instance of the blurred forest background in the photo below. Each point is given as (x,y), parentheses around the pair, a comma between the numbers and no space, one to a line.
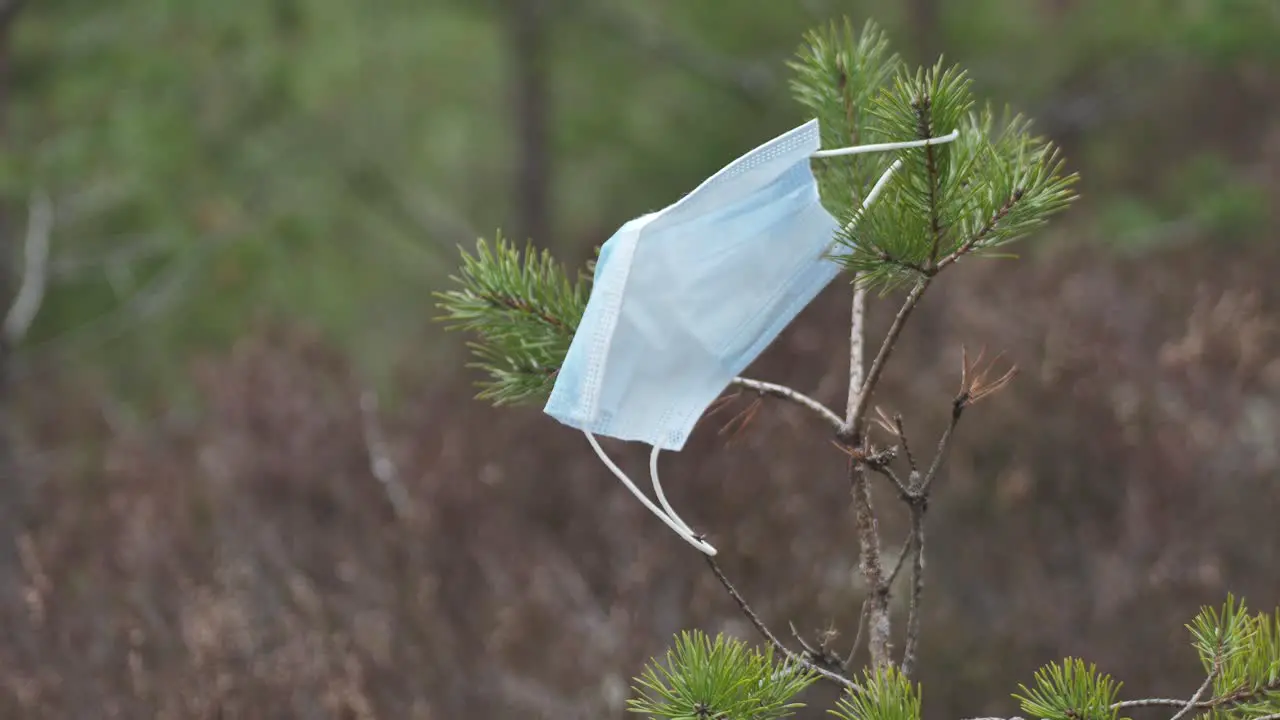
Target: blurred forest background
(207,512)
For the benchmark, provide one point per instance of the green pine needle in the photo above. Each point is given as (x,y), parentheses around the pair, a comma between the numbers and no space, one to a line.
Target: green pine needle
(1070,691)
(837,73)
(724,678)
(886,694)
(1246,649)
(523,309)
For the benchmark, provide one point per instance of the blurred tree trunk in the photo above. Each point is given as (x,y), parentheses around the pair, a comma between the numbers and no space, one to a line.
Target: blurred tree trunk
(926,27)
(527,25)
(11,489)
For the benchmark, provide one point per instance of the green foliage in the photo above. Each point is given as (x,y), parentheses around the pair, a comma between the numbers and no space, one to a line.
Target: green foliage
(1071,691)
(995,184)
(723,678)
(524,308)
(886,694)
(836,75)
(1242,654)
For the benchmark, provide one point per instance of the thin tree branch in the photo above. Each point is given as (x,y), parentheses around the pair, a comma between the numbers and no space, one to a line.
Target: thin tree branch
(857,335)
(35,269)
(918,506)
(852,429)
(870,562)
(926,482)
(862,616)
(971,243)
(1229,699)
(1204,688)
(380,463)
(901,430)
(903,491)
(871,565)
(782,391)
(769,636)
(857,637)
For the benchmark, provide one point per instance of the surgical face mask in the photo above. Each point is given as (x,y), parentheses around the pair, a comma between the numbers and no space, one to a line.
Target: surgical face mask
(685,298)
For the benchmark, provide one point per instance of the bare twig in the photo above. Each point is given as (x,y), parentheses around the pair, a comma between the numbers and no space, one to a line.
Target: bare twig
(895,427)
(1154,702)
(768,634)
(974,386)
(380,463)
(857,637)
(893,576)
(1204,688)
(857,339)
(903,491)
(852,428)
(1229,699)
(902,558)
(872,565)
(820,655)
(35,269)
(786,393)
(918,507)
(927,480)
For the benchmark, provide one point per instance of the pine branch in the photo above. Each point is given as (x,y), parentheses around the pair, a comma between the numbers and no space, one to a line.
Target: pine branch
(723,678)
(871,566)
(888,695)
(852,429)
(524,310)
(772,639)
(911,649)
(837,72)
(786,393)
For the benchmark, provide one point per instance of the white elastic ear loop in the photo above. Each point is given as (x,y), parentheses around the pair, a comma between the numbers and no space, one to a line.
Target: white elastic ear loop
(881,147)
(657,490)
(884,179)
(676,525)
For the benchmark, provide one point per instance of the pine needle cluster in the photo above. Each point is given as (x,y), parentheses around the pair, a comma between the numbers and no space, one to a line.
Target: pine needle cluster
(721,678)
(524,309)
(994,184)
(886,694)
(1240,653)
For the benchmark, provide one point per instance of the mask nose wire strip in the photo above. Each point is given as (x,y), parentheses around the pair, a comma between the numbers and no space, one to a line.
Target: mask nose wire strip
(677,526)
(881,147)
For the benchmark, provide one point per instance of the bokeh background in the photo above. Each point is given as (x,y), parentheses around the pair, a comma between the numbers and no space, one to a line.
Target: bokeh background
(243,475)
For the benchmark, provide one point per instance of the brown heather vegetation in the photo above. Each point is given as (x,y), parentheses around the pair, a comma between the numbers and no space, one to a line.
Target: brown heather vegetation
(242,561)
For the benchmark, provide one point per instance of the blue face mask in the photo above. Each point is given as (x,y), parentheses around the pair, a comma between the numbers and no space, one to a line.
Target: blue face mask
(685,298)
